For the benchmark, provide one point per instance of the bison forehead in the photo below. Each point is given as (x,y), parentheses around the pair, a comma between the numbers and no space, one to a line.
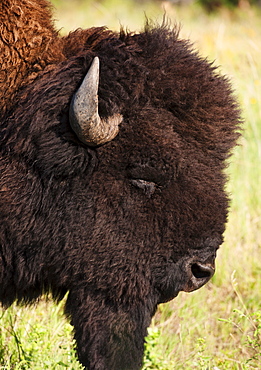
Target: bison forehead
(164,73)
(149,148)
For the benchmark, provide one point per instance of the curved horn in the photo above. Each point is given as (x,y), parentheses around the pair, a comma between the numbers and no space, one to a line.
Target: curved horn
(84,117)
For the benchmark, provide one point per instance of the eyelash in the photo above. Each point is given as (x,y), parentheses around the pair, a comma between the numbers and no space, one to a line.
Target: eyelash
(147,186)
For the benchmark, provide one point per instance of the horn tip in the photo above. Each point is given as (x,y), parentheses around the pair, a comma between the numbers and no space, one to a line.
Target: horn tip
(96,62)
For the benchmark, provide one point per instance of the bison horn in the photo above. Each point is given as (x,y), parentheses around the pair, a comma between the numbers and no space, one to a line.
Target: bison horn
(84,117)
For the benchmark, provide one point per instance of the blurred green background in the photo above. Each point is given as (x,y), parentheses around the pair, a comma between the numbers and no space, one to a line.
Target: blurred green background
(219,326)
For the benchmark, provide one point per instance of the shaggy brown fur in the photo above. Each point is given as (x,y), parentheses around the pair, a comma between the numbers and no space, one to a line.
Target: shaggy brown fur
(28,44)
(127,225)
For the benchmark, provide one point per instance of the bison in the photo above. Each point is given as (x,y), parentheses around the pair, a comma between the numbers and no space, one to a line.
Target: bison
(113,150)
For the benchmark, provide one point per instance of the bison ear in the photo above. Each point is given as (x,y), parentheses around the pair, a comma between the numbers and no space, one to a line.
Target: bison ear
(84,117)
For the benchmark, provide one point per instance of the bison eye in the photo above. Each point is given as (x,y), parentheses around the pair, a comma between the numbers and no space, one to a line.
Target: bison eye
(147,186)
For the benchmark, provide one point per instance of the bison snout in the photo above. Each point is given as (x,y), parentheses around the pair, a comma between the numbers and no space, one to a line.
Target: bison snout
(199,274)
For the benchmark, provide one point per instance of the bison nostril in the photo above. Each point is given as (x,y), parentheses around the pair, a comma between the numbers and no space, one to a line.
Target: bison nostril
(201,271)
(198,275)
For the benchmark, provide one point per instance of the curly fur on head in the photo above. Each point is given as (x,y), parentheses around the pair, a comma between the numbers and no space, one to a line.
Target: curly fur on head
(28,44)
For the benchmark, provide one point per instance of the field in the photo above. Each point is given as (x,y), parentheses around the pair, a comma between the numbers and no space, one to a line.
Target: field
(219,326)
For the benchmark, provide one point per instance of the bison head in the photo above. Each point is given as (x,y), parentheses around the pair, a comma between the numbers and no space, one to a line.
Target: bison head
(161,205)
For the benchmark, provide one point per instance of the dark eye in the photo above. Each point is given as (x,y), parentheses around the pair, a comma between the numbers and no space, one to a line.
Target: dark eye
(147,186)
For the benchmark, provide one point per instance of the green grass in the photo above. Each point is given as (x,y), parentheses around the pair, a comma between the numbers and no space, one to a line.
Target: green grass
(36,338)
(219,326)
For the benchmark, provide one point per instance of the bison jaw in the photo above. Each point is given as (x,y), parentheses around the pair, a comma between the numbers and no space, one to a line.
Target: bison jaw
(84,116)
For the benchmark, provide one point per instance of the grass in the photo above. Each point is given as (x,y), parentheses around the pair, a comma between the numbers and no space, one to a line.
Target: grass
(36,338)
(219,326)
